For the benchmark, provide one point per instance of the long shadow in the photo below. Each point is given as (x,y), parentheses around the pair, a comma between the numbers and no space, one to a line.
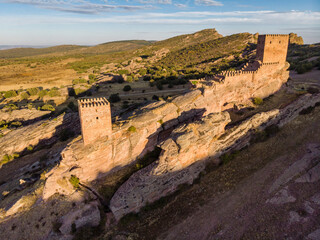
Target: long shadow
(65,132)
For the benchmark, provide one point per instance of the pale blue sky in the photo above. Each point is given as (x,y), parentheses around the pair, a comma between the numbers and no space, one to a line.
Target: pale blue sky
(87,22)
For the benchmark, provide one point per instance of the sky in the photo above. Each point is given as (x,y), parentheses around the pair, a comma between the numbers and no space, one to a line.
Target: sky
(90,22)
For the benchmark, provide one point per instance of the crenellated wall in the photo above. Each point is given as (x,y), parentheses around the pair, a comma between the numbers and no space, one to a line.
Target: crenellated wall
(112,151)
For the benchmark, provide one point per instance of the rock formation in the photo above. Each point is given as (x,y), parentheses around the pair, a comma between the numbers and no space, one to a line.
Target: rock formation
(142,132)
(184,154)
(295,39)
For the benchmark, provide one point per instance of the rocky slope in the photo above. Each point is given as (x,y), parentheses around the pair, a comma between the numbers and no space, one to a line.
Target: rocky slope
(194,144)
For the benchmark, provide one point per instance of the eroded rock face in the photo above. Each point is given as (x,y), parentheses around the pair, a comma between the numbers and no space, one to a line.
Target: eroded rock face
(41,133)
(107,155)
(22,115)
(184,154)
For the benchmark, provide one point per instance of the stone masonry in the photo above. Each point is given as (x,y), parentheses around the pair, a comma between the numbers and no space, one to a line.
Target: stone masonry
(95,118)
(116,148)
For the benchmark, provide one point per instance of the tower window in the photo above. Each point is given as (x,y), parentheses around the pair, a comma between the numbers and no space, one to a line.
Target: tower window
(279,41)
(270,42)
(97,117)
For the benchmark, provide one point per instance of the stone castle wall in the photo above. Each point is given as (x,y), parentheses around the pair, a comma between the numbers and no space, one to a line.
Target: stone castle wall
(109,154)
(272,48)
(95,118)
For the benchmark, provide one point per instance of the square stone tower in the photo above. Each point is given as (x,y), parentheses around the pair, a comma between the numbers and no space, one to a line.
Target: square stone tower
(272,48)
(95,118)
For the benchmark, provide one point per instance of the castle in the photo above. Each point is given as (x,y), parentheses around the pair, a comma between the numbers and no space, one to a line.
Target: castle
(236,86)
(95,119)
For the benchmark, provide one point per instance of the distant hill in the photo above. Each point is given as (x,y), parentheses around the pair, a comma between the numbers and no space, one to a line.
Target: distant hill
(208,50)
(110,47)
(29,52)
(182,41)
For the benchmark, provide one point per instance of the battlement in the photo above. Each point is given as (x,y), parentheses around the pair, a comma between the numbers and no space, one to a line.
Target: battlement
(93,102)
(275,35)
(95,118)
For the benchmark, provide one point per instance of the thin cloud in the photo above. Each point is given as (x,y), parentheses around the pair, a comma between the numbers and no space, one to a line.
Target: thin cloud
(180,5)
(79,6)
(208,3)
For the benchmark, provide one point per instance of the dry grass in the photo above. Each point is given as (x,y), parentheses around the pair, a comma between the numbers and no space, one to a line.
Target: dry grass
(48,75)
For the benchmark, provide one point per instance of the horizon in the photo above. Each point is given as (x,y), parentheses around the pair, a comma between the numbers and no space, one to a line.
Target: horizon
(92,22)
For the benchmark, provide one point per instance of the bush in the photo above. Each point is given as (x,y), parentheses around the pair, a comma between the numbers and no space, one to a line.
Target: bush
(33,91)
(155,97)
(54,92)
(132,129)
(257,101)
(114,98)
(77,81)
(48,107)
(30,148)
(123,72)
(127,88)
(129,79)
(30,106)
(6,158)
(142,71)
(74,181)
(159,85)
(24,95)
(11,107)
(42,93)
(15,124)
(10,94)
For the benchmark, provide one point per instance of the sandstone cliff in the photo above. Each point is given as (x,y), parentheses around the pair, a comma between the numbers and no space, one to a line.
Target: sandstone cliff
(184,154)
(107,155)
(295,39)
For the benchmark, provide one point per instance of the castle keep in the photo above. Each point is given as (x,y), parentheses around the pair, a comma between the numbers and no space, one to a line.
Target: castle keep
(95,118)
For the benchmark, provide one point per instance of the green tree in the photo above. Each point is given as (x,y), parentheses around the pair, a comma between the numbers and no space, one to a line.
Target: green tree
(127,88)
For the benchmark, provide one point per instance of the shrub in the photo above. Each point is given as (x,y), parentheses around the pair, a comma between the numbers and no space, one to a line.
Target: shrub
(129,79)
(6,158)
(257,101)
(15,124)
(30,106)
(30,148)
(74,181)
(10,94)
(155,97)
(42,93)
(132,129)
(79,80)
(11,107)
(159,85)
(33,91)
(78,91)
(123,72)
(114,98)
(127,88)
(24,95)
(48,107)
(54,92)
(142,71)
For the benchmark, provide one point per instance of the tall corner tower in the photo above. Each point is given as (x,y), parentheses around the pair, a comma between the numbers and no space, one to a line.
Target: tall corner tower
(95,118)
(272,48)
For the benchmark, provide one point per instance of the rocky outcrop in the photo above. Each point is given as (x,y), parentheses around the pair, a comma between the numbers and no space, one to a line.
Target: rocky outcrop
(295,39)
(184,154)
(39,134)
(22,115)
(134,138)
